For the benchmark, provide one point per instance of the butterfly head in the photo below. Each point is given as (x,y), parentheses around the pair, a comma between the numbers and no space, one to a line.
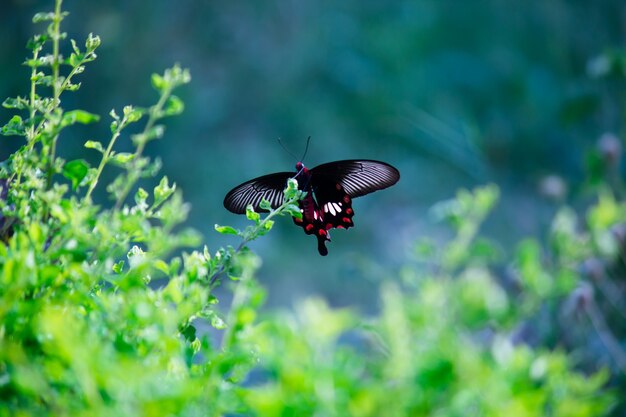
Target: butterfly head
(300,168)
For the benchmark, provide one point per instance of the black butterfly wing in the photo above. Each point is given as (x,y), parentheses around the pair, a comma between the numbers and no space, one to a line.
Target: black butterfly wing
(357,177)
(269,187)
(335,205)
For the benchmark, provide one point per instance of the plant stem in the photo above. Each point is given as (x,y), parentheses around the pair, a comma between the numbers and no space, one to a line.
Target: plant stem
(105,157)
(56,87)
(33,94)
(251,236)
(133,174)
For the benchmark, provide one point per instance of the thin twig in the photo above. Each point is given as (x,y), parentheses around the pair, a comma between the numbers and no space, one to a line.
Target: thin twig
(251,236)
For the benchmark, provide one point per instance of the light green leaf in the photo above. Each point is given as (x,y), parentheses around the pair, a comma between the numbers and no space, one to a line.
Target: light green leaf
(226,230)
(122,158)
(173,107)
(251,214)
(163,191)
(93,144)
(78,116)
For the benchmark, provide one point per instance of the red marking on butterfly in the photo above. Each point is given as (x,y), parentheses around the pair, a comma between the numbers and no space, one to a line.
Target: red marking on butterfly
(330,189)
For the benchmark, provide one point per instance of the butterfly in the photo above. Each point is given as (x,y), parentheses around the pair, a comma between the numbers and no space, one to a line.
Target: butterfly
(329,189)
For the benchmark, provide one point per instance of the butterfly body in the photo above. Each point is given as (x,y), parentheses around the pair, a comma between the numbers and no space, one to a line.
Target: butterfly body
(329,189)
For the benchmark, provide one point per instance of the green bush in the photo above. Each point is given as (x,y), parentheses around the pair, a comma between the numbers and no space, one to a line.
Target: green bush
(103,313)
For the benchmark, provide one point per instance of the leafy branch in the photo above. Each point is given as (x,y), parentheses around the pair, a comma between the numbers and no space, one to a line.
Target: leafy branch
(167,105)
(260,226)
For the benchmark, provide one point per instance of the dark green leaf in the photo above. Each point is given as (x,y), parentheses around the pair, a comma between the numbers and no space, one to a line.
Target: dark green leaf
(75,171)
(37,42)
(15,127)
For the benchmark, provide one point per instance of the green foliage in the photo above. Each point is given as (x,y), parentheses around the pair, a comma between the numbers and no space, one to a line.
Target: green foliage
(83,331)
(103,313)
(441,345)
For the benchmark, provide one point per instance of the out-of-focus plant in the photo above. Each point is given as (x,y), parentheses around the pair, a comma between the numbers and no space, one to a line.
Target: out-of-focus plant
(443,344)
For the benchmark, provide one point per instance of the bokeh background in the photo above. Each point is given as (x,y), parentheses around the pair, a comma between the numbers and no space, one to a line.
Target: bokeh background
(453,93)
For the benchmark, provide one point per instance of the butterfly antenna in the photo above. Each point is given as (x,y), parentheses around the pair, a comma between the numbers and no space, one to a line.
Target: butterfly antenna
(285,148)
(307,148)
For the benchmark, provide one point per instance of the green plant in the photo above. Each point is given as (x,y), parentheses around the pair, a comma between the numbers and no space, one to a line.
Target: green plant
(441,345)
(103,313)
(82,327)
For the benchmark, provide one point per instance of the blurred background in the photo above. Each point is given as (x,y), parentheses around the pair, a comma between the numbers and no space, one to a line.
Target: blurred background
(454,94)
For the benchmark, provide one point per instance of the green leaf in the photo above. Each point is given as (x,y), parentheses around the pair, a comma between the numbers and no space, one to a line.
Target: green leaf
(267,226)
(118,267)
(92,42)
(78,116)
(173,107)
(74,46)
(293,210)
(251,214)
(226,230)
(93,144)
(163,191)
(292,189)
(140,198)
(19,103)
(132,114)
(37,42)
(217,322)
(189,332)
(157,82)
(122,158)
(265,205)
(15,127)
(43,17)
(75,171)
(75,59)
(155,132)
